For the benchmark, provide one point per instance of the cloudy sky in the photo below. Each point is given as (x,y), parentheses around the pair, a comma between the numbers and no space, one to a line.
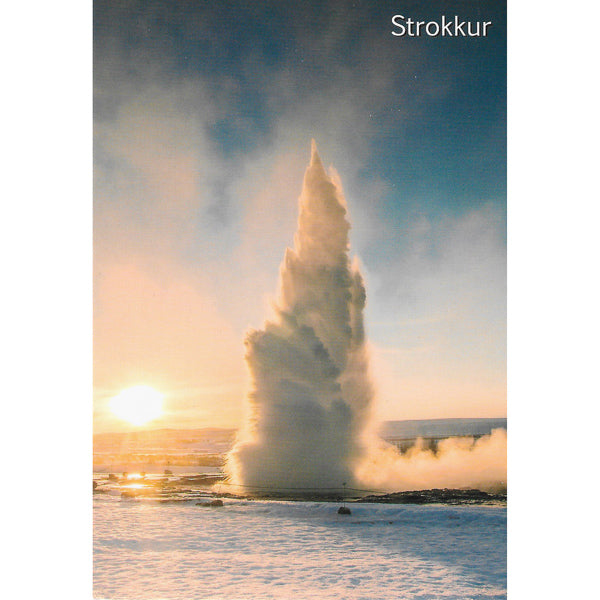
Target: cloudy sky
(203,117)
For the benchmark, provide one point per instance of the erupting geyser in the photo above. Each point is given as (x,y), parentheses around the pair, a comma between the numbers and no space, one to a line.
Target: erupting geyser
(310,393)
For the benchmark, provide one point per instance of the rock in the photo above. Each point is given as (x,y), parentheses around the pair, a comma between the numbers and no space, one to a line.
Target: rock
(438,496)
(212,503)
(344,510)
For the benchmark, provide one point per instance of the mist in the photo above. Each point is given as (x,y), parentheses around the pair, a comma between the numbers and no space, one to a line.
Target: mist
(456,463)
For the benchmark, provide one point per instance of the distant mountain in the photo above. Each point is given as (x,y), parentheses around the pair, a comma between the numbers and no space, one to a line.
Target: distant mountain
(208,439)
(439,428)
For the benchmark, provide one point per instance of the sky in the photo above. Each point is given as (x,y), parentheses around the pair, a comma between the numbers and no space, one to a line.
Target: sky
(203,118)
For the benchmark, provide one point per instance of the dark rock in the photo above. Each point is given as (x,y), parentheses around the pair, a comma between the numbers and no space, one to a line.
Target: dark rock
(201,479)
(212,503)
(344,510)
(437,496)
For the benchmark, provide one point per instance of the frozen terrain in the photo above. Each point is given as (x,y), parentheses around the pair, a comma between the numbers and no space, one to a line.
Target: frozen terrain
(279,550)
(439,428)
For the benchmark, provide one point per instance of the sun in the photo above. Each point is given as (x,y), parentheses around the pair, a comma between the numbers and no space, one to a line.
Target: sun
(138,405)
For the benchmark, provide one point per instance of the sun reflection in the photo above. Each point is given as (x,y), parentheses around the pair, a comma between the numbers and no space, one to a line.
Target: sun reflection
(134,486)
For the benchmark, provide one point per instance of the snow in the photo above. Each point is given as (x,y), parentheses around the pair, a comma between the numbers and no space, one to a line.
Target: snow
(279,550)
(440,428)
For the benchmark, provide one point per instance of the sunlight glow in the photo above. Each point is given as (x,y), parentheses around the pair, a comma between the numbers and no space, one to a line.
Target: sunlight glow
(138,405)
(134,486)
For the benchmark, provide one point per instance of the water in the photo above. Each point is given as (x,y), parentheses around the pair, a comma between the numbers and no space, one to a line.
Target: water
(280,550)
(310,393)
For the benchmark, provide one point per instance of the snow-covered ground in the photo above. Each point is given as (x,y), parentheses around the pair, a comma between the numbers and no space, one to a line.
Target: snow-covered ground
(279,550)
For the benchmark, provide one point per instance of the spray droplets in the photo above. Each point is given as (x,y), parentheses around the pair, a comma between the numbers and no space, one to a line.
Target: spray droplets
(310,391)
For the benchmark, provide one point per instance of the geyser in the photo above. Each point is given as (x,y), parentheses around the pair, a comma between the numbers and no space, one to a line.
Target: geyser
(310,394)
(309,427)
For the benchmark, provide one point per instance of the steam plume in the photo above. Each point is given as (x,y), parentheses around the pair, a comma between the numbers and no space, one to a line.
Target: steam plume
(458,462)
(310,397)
(310,394)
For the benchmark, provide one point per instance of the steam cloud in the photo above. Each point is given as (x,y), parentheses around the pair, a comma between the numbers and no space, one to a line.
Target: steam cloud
(310,400)
(310,393)
(458,462)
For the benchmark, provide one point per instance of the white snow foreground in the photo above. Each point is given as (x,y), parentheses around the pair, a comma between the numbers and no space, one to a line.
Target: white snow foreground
(282,550)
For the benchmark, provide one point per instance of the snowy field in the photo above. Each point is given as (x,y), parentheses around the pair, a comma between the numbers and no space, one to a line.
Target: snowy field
(279,550)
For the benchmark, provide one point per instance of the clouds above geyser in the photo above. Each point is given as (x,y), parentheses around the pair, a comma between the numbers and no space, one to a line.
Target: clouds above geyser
(182,203)
(175,207)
